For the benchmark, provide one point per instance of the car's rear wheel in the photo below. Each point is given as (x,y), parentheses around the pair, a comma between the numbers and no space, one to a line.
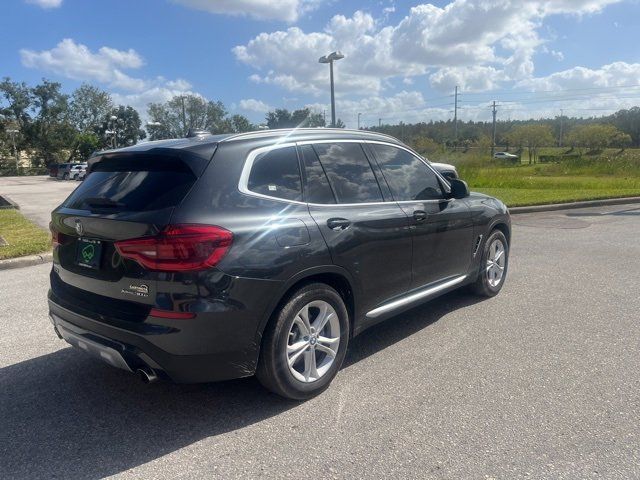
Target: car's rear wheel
(493,265)
(305,344)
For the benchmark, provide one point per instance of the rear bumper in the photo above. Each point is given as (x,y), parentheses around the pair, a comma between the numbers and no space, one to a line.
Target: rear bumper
(155,348)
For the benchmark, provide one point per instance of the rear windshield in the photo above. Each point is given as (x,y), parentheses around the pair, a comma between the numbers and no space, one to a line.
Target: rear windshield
(133,184)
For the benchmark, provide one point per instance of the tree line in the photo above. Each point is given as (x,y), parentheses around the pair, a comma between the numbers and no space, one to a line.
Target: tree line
(619,130)
(52,126)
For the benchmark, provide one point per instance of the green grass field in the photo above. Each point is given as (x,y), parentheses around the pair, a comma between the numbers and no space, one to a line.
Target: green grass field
(22,236)
(608,174)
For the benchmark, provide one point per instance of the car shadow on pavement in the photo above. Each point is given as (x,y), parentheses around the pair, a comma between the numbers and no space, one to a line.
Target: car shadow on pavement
(67,416)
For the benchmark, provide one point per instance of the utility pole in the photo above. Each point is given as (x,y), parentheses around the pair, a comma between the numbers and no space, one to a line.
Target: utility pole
(379,122)
(561,126)
(359,120)
(493,141)
(324,117)
(455,117)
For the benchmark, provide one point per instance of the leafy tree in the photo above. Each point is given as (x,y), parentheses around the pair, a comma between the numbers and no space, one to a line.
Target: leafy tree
(621,140)
(88,108)
(173,119)
(282,118)
(121,127)
(85,144)
(50,132)
(426,146)
(597,136)
(532,136)
(340,124)
(16,100)
(627,121)
(240,123)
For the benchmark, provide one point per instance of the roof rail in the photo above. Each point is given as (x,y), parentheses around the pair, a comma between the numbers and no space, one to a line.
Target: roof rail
(275,131)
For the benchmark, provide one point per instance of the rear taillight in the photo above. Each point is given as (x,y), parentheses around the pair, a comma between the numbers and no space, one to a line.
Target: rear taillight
(57,238)
(179,248)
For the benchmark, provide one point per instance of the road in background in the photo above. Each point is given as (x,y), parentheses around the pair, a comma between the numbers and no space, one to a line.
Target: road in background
(540,382)
(37,196)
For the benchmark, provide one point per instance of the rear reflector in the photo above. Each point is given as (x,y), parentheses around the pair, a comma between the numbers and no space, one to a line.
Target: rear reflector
(179,248)
(156,312)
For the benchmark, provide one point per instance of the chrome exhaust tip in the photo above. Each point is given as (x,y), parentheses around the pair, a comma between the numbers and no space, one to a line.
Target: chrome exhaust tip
(147,375)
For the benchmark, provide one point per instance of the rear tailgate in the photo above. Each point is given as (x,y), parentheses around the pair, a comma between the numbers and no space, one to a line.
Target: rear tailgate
(124,196)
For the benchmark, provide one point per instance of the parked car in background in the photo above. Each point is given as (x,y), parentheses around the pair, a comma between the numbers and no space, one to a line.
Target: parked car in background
(63,171)
(447,170)
(505,156)
(68,171)
(78,172)
(224,256)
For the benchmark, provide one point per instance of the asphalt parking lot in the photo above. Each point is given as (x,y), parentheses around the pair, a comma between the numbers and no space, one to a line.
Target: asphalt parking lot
(542,381)
(37,196)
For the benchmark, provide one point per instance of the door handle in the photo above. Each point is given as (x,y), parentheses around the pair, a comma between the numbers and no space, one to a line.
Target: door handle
(419,215)
(338,223)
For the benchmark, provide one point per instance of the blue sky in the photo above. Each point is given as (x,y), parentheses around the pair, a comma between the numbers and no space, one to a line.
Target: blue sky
(403,58)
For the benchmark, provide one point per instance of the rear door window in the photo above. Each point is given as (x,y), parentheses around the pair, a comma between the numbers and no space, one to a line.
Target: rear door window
(276,173)
(133,184)
(316,183)
(349,172)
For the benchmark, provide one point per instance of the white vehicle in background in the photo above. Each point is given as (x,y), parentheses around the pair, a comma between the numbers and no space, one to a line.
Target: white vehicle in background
(505,156)
(77,170)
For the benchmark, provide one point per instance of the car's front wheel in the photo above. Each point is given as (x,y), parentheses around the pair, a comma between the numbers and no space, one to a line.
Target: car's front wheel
(305,344)
(493,265)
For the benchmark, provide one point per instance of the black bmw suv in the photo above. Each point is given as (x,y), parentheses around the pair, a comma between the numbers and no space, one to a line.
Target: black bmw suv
(217,257)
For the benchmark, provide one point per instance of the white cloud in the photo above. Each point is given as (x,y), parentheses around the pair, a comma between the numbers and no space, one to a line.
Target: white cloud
(253,105)
(617,74)
(76,61)
(495,37)
(469,79)
(46,3)
(285,10)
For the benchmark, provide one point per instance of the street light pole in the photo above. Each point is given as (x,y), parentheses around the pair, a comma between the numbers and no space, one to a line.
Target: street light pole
(359,120)
(332,57)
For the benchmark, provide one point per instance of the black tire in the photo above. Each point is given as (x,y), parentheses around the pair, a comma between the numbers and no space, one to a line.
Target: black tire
(482,286)
(273,370)
(65,176)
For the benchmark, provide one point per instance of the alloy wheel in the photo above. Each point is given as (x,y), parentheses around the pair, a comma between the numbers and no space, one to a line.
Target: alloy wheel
(495,262)
(313,341)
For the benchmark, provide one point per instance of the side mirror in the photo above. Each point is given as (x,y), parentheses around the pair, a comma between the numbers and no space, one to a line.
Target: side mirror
(459,188)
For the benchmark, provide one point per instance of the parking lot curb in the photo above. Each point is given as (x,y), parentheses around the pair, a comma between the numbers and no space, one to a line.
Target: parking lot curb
(567,206)
(27,261)
(11,203)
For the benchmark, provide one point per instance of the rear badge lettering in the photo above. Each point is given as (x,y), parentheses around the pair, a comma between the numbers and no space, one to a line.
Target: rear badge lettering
(136,290)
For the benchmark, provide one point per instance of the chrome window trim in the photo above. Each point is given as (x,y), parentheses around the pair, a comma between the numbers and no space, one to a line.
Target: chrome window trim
(422,294)
(248,165)
(243,184)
